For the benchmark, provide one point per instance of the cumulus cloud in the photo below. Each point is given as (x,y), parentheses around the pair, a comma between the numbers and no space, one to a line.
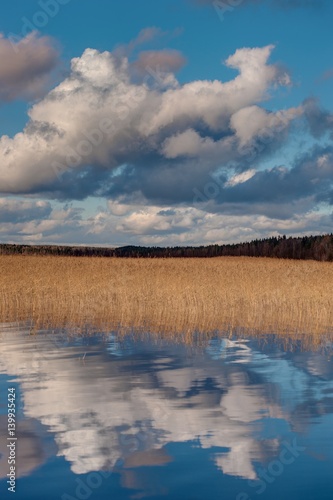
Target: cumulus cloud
(179,163)
(37,221)
(119,223)
(187,143)
(253,121)
(98,121)
(12,210)
(26,66)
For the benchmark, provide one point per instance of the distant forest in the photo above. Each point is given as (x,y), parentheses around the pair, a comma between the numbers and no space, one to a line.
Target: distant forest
(306,247)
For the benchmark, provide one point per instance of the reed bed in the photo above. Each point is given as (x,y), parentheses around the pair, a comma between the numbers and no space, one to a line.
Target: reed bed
(174,296)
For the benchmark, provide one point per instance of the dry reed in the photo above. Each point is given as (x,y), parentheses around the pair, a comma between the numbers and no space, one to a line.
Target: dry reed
(170,295)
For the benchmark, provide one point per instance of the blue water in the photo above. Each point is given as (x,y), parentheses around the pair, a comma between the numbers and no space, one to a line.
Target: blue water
(110,417)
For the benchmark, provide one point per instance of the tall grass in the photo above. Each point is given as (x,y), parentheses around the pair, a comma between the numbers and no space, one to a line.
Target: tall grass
(169,295)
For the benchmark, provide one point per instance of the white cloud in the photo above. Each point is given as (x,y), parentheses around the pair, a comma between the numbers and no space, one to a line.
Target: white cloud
(253,121)
(240,178)
(188,143)
(68,125)
(121,224)
(154,148)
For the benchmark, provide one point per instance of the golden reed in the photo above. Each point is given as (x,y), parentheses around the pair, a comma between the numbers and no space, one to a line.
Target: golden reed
(174,296)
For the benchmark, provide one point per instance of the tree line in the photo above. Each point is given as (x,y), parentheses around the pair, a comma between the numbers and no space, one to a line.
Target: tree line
(306,247)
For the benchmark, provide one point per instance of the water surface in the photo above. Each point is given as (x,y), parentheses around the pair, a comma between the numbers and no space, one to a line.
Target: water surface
(113,417)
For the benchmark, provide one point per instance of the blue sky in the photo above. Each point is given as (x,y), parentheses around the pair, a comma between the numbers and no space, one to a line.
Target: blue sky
(261,124)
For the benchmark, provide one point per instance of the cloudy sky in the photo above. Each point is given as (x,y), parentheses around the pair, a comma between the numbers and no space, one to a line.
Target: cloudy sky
(165,123)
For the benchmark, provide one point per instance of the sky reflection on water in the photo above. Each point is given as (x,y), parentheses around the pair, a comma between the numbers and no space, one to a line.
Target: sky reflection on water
(135,417)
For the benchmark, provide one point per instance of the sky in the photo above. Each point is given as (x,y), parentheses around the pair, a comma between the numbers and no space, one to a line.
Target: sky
(185,122)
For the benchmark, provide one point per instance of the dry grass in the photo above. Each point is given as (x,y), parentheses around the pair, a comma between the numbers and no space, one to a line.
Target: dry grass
(170,295)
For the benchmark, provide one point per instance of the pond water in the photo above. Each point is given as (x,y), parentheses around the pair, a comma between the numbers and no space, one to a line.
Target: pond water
(131,417)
